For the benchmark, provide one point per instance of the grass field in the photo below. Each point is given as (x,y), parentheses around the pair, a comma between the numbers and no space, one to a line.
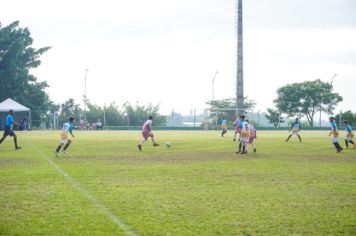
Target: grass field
(199,186)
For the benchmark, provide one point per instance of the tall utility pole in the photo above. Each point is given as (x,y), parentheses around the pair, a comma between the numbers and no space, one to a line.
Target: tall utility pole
(213,86)
(85,96)
(239,74)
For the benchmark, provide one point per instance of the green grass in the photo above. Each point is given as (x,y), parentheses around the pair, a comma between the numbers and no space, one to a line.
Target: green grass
(199,186)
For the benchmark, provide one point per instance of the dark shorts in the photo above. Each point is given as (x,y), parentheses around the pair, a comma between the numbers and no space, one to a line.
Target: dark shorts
(8,131)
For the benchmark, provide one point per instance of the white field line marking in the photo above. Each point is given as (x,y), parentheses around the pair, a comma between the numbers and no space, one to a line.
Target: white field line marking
(76,185)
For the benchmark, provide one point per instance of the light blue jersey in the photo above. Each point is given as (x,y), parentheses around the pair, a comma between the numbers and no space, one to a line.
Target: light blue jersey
(244,125)
(295,125)
(348,128)
(9,120)
(333,125)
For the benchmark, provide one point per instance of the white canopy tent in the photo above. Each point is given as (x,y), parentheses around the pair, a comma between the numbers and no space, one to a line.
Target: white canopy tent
(20,111)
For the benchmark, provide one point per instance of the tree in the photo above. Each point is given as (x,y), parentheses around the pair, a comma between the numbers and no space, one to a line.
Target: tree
(308,98)
(274,117)
(226,108)
(137,115)
(94,113)
(69,108)
(113,116)
(177,119)
(348,115)
(17,57)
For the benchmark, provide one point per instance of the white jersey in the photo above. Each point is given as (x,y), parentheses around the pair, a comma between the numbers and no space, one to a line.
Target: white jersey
(67,127)
(147,126)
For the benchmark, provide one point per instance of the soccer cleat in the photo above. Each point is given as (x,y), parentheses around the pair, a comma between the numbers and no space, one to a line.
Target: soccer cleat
(155,144)
(245,152)
(56,153)
(254,150)
(18,147)
(139,147)
(237,152)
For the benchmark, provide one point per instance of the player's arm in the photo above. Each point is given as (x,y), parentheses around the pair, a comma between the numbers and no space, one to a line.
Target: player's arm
(290,129)
(71,132)
(333,131)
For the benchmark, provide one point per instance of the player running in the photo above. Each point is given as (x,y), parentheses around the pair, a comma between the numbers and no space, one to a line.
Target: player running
(245,134)
(65,139)
(294,130)
(335,134)
(223,127)
(253,135)
(237,124)
(147,132)
(349,134)
(9,124)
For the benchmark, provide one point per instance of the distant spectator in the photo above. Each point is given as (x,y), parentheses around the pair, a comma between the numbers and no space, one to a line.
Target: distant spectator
(99,125)
(82,124)
(25,123)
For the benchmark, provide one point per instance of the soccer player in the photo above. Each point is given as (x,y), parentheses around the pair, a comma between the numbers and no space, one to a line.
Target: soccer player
(65,139)
(237,124)
(253,135)
(147,132)
(223,127)
(245,134)
(335,134)
(349,134)
(9,123)
(294,130)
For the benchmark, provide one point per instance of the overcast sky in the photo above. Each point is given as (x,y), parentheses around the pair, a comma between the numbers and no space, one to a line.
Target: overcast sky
(167,51)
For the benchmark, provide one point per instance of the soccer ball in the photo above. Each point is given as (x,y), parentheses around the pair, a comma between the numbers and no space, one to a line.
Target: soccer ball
(168,144)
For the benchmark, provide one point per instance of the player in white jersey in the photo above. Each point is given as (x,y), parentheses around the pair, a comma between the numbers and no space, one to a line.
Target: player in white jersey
(146,133)
(294,130)
(65,139)
(245,134)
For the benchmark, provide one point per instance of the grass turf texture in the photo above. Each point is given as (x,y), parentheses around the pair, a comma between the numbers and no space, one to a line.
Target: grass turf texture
(199,186)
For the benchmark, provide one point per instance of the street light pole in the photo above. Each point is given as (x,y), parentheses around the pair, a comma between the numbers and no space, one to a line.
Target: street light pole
(85,96)
(213,85)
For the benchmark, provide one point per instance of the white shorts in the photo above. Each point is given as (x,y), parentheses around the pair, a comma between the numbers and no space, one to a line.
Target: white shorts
(335,139)
(294,132)
(348,139)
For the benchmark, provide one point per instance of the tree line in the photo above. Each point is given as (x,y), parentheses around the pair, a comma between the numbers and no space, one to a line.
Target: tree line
(111,115)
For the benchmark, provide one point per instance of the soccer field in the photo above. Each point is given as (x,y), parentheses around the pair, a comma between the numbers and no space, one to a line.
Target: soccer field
(199,186)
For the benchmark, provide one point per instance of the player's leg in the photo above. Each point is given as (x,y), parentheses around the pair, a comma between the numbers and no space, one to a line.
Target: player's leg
(300,139)
(153,141)
(240,146)
(61,143)
(346,142)
(223,132)
(244,148)
(66,146)
(254,145)
(5,134)
(336,144)
(288,137)
(15,140)
(338,147)
(58,148)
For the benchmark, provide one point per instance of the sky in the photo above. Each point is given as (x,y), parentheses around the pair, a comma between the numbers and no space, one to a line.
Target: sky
(167,52)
